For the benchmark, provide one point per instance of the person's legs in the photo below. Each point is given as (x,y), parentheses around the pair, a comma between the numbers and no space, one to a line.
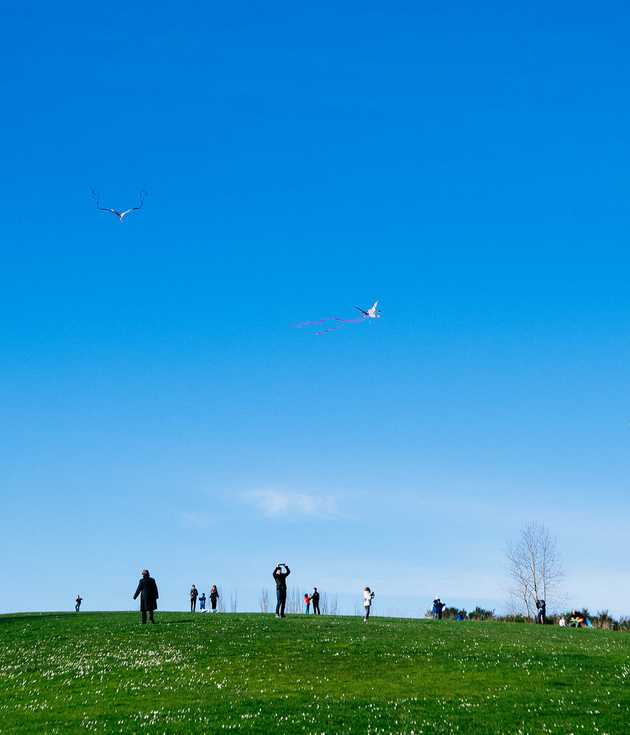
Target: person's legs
(278,602)
(151,616)
(143,616)
(283,602)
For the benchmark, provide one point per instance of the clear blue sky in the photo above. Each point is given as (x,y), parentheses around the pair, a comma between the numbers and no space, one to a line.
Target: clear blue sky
(465,164)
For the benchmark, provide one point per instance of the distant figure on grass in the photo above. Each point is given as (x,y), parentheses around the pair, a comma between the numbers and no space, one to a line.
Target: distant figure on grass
(202,602)
(368,596)
(148,591)
(315,601)
(579,620)
(280,578)
(541,612)
(194,593)
(307,603)
(438,607)
(214,597)
(77,603)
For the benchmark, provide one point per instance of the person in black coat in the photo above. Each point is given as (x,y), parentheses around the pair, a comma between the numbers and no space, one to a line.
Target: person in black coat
(148,591)
(280,578)
(315,601)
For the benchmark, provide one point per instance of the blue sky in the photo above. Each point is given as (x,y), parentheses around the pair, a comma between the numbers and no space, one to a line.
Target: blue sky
(465,165)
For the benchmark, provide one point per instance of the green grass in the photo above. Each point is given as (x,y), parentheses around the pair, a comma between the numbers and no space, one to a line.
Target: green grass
(62,673)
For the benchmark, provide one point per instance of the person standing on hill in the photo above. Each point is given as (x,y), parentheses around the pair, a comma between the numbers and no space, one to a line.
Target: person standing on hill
(214,597)
(315,601)
(307,603)
(280,578)
(202,602)
(194,593)
(438,607)
(148,591)
(541,614)
(77,603)
(368,596)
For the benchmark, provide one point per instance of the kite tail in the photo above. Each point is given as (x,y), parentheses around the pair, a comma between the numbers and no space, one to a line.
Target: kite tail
(301,325)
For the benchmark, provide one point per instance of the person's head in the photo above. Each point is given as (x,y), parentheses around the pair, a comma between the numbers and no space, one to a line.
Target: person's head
(314,589)
(367,589)
(145,572)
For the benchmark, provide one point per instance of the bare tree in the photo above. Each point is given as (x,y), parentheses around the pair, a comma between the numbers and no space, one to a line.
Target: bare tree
(234,601)
(264,600)
(221,600)
(294,601)
(334,605)
(535,568)
(323,603)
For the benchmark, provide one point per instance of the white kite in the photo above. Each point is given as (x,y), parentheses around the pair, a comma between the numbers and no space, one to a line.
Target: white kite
(340,322)
(116,212)
(371,313)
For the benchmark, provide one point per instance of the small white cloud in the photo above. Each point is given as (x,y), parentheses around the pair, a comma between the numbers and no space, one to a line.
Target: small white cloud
(276,504)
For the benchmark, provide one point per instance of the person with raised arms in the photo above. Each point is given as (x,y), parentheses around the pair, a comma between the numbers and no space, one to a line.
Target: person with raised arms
(280,578)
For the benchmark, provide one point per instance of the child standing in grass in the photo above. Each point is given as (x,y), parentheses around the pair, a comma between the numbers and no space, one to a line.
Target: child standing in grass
(368,596)
(307,602)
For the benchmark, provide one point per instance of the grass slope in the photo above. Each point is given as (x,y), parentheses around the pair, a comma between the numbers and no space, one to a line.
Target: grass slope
(103,672)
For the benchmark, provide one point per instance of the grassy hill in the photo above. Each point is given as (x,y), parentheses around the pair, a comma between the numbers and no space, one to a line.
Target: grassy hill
(103,672)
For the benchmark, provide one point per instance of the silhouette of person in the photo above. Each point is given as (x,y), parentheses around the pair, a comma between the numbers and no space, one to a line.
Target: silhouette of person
(194,593)
(77,603)
(214,597)
(148,591)
(315,601)
(280,578)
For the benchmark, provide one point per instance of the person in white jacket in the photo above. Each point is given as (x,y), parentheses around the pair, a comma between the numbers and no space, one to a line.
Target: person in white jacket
(368,596)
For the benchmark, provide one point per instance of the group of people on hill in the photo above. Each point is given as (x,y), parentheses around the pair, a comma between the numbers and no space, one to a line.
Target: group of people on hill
(214,599)
(577,619)
(313,599)
(147,590)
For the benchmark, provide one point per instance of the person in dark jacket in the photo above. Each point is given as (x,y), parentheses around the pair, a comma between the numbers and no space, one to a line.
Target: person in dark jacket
(214,597)
(541,614)
(280,578)
(438,607)
(148,591)
(194,593)
(202,602)
(315,601)
(77,603)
